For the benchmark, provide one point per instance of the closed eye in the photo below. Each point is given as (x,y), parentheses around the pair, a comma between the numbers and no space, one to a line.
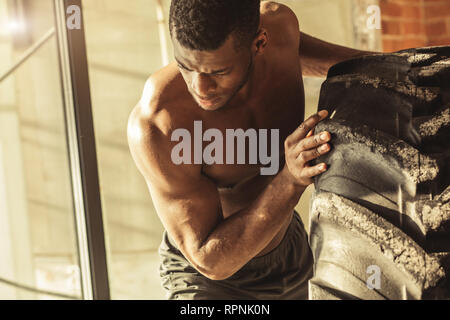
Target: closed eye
(216,73)
(183,67)
(220,73)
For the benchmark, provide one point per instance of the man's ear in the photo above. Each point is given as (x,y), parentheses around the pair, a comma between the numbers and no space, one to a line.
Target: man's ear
(260,41)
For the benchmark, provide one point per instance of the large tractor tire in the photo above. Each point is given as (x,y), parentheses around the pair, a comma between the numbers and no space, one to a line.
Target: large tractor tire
(380,214)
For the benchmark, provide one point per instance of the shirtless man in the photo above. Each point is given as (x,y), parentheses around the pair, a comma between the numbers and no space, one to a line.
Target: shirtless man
(232,233)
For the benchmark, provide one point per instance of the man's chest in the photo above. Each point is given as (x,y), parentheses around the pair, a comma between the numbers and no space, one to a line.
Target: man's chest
(253,137)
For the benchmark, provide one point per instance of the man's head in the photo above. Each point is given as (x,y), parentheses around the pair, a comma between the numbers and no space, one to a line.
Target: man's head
(214,46)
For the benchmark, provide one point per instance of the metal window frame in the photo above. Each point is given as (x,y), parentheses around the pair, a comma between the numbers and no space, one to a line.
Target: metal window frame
(82,154)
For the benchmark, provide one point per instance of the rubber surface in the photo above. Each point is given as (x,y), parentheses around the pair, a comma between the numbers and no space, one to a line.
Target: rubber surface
(385,199)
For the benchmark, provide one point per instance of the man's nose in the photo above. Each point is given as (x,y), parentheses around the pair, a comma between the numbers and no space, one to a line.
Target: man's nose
(203,85)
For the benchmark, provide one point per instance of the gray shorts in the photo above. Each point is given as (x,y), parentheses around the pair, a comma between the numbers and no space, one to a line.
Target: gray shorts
(281,274)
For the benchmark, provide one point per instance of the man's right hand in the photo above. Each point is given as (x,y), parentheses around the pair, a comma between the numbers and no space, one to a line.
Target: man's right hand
(302,146)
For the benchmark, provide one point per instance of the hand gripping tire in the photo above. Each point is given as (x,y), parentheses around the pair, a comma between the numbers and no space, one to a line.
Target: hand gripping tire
(380,214)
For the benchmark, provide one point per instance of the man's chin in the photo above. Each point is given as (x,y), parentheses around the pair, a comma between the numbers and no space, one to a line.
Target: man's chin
(211,106)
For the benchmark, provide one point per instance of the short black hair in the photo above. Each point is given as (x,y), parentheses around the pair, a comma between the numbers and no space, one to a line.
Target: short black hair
(206,24)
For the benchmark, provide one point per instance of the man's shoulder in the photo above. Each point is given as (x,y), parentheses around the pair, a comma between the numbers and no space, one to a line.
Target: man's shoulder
(163,101)
(160,111)
(154,118)
(278,11)
(280,20)
(163,90)
(273,7)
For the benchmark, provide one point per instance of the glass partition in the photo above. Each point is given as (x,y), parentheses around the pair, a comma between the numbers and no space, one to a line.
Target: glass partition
(38,244)
(126,42)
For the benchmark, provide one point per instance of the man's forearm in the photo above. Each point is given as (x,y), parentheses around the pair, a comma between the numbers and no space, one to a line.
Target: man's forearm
(317,56)
(243,235)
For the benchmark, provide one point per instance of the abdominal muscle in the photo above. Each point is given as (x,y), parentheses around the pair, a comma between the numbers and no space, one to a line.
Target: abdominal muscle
(241,196)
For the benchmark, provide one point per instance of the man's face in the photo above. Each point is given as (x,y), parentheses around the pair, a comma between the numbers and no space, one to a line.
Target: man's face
(214,77)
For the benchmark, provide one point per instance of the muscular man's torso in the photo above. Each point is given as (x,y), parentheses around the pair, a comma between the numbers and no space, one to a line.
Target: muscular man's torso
(277,102)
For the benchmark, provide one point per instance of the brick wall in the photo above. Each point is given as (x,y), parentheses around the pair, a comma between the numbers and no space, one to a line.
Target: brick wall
(414,23)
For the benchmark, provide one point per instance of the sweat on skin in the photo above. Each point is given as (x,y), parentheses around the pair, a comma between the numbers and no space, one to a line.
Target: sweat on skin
(213,153)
